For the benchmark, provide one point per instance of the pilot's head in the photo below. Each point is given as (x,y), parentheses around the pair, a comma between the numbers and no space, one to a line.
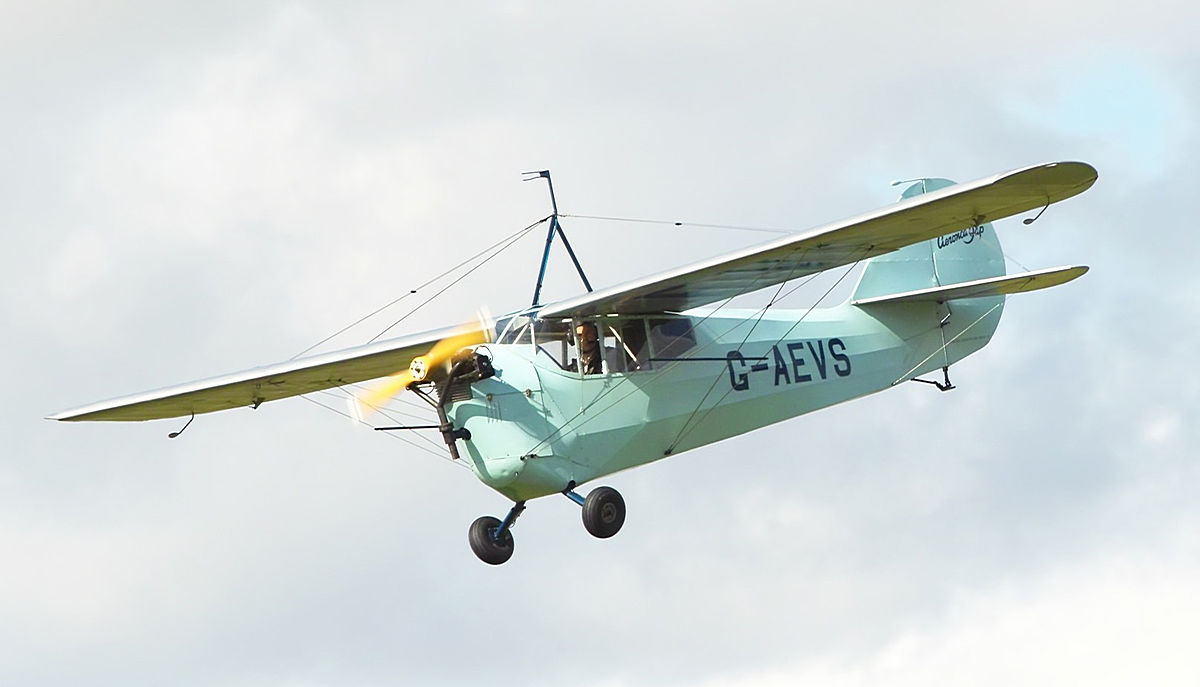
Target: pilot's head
(585,334)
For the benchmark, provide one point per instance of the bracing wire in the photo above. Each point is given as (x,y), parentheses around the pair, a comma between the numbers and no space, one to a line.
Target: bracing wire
(499,247)
(768,230)
(506,242)
(391,411)
(945,345)
(657,375)
(761,314)
(511,237)
(683,430)
(1018,262)
(395,399)
(363,422)
(495,249)
(437,449)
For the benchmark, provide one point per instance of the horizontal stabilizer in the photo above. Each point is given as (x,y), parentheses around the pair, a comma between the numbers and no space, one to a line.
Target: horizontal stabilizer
(992,286)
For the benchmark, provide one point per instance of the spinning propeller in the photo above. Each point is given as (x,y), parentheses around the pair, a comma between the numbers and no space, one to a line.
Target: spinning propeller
(432,364)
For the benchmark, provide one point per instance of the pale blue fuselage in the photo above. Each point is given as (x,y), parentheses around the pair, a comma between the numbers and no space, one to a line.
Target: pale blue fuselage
(536,428)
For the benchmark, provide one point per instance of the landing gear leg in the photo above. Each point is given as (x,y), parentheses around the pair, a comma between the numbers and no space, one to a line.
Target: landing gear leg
(603,510)
(492,539)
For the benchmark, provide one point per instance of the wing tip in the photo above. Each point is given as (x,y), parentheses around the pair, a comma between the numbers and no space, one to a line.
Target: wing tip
(1078,271)
(1071,177)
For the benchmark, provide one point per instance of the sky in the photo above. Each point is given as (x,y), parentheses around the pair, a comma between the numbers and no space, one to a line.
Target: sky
(191,189)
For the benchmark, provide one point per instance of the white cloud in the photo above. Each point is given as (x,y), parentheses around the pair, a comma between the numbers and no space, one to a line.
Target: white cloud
(1161,426)
(1112,621)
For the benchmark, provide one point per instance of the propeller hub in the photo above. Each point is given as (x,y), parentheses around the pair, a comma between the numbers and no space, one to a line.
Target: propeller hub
(419,367)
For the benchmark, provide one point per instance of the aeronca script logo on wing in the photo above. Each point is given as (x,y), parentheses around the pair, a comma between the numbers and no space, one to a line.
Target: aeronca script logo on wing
(795,362)
(965,235)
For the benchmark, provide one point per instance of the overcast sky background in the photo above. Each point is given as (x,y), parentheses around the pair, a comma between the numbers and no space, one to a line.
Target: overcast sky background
(196,188)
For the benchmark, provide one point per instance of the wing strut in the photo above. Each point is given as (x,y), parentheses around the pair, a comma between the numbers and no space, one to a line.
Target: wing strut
(555,228)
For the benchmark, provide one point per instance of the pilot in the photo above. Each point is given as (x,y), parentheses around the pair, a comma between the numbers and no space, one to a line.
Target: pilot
(590,354)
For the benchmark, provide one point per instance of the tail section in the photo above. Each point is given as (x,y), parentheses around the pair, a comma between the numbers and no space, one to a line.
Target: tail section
(968,255)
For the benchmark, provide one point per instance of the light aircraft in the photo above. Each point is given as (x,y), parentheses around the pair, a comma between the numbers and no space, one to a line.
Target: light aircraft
(556,395)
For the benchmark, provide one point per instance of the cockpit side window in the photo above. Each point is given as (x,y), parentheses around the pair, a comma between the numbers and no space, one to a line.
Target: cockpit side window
(600,345)
(671,338)
(628,350)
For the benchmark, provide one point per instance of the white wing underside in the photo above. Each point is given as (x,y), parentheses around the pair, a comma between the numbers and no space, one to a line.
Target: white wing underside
(842,243)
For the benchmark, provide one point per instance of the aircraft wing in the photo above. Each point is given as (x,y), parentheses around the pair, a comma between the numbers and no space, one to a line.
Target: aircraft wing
(269,383)
(842,243)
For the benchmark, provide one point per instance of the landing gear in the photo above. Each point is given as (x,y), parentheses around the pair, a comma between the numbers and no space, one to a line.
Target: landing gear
(603,510)
(491,539)
(485,545)
(603,515)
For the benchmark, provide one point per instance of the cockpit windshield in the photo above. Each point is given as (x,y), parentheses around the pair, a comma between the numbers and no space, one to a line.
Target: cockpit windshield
(550,337)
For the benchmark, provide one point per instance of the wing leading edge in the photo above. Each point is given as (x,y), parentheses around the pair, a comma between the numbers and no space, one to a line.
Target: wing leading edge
(842,243)
(262,384)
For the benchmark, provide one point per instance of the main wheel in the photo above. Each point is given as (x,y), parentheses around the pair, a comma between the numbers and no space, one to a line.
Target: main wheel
(485,546)
(603,512)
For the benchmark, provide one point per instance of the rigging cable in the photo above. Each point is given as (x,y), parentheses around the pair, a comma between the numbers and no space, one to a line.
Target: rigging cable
(362,319)
(761,314)
(1016,261)
(656,376)
(715,340)
(769,230)
(437,449)
(347,415)
(678,437)
(904,376)
(503,244)
(392,411)
(513,238)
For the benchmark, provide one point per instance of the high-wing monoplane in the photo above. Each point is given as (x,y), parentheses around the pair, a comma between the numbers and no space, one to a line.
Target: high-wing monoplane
(554,396)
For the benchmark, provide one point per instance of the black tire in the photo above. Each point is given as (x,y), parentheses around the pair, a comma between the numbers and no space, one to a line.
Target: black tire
(487,549)
(603,512)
